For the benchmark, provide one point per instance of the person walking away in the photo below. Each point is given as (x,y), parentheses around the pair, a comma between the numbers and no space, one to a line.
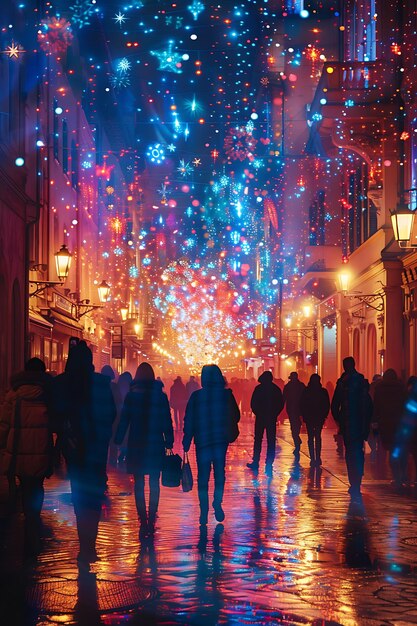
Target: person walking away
(123,384)
(26,444)
(191,386)
(389,399)
(85,412)
(315,405)
(352,409)
(293,391)
(147,415)
(178,401)
(267,403)
(211,419)
(108,371)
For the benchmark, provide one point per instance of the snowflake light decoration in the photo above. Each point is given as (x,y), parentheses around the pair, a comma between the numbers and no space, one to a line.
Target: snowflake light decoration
(196,8)
(239,144)
(123,66)
(156,153)
(184,168)
(120,18)
(13,51)
(119,81)
(168,60)
(81,12)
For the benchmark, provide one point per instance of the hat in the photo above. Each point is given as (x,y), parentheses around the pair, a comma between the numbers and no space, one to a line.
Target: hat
(293,376)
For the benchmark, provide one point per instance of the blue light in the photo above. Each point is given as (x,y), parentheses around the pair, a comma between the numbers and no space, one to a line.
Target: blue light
(19,161)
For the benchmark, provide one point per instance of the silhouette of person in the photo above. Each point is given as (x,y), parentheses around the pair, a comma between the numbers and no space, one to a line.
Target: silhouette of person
(26,445)
(147,414)
(123,384)
(266,403)
(210,416)
(85,413)
(389,399)
(191,385)
(352,410)
(108,371)
(315,405)
(178,401)
(293,391)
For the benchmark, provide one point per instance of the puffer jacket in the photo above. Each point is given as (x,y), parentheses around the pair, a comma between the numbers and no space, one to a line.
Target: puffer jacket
(26,443)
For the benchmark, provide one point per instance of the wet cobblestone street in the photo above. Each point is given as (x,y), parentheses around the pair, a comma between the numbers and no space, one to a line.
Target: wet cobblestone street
(292,550)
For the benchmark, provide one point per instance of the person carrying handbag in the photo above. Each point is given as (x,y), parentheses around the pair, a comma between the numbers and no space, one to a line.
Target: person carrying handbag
(146,413)
(211,419)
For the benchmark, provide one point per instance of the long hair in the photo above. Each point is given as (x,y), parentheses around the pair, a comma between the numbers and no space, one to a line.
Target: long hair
(144,373)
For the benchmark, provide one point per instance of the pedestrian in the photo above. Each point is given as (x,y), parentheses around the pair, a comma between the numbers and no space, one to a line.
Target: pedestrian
(191,385)
(178,401)
(315,405)
(85,412)
(147,415)
(293,391)
(267,403)
(108,371)
(389,399)
(123,384)
(352,410)
(26,444)
(210,419)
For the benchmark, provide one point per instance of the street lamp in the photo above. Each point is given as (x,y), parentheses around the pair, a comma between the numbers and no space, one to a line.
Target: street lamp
(124,311)
(402,220)
(373,300)
(103,291)
(62,261)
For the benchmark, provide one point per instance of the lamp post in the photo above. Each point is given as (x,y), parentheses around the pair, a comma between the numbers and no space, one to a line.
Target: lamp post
(62,262)
(402,220)
(82,307)
(103,291)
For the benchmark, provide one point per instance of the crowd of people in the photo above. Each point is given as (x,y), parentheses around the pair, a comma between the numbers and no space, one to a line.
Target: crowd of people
(91,419)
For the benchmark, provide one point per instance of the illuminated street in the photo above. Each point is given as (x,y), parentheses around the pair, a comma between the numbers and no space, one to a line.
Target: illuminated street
(292,551)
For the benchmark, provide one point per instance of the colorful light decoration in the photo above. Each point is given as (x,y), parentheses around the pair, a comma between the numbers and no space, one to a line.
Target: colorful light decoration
(55,35)
(156,153)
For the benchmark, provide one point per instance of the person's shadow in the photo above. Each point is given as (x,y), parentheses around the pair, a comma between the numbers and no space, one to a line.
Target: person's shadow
(357,538)
(87,611)
(207,581)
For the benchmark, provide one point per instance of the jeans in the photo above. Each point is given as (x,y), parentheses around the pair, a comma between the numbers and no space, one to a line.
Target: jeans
(295,423)
(154,490)
(208,456)
(355,462)
(263,424)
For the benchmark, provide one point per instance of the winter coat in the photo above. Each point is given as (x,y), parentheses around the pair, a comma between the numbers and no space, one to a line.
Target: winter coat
(84,426)
(178,395)
(389,398)
(293,391)
(315,404)
(147,414)
(26,444)
(210,417)
(267,401)
(352,406)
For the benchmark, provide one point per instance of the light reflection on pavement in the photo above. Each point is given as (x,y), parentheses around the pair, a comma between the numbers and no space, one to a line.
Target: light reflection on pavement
(292,550)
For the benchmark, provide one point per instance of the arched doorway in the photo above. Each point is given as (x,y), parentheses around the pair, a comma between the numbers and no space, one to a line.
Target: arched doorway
(356,345)
(371,364)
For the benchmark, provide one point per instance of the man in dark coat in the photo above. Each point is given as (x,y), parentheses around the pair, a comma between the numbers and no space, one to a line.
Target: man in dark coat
(267,403)
(352,410)
(293,391)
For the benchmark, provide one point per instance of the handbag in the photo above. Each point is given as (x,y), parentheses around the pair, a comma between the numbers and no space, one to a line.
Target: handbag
(186,474)
(171,469)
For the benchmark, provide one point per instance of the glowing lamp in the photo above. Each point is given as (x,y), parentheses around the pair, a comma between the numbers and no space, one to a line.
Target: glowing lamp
(124,310)
(344,280)
(402,220)
(103,291)
(63,262)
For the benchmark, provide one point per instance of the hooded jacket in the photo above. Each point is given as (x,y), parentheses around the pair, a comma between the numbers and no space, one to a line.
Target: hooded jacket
(267,401)
(26,444)
(315,404)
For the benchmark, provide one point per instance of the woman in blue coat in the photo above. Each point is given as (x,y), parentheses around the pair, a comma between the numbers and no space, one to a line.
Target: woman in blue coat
(147,414)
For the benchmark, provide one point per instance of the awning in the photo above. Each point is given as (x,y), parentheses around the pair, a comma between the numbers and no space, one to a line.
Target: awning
(37,318)
(69,323)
